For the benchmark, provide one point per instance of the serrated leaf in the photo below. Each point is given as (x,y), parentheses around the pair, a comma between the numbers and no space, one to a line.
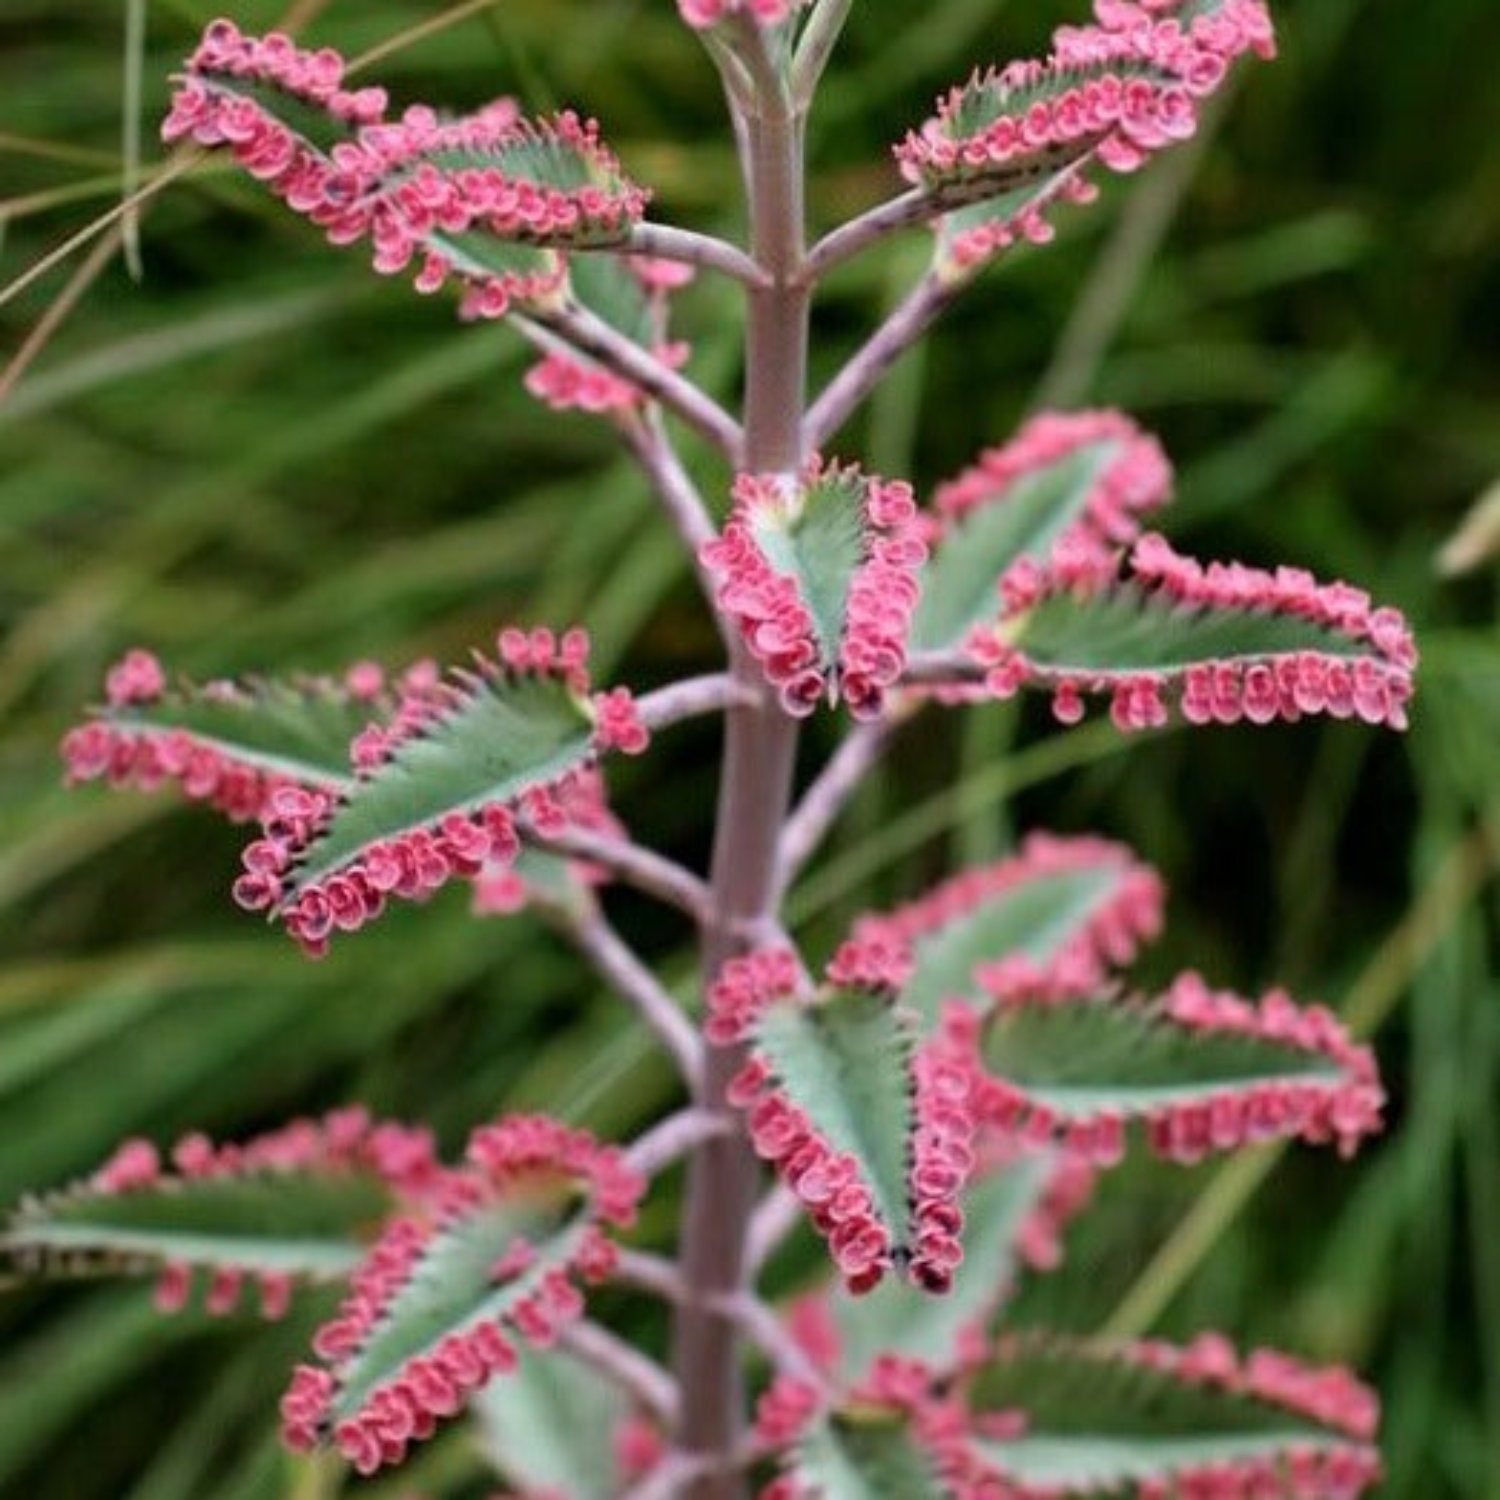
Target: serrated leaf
(846,1063)
(1073,484)
(452,1289)
(550,1426)
(819,572)
(1207,1070)
(864,1455)
(505,735)
(299,1224)
(1058,910)
(898,1319)
(1129,629)
(1094,1420)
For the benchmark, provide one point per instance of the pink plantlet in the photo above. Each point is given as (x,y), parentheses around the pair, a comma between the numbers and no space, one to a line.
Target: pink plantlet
(703,14)
(784,1410)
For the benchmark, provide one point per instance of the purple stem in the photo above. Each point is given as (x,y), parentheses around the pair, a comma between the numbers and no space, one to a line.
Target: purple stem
(635,1373)
(906,324)
(590,335)
(754,791)
(693,697)
(824,800)
(869,228)
(617,963)
(630,862)
(692,249)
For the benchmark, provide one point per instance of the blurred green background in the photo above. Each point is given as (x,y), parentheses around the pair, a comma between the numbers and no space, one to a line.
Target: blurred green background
(258,455)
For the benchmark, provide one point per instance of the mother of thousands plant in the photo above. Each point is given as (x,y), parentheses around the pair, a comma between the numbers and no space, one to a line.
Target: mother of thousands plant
(939,1094)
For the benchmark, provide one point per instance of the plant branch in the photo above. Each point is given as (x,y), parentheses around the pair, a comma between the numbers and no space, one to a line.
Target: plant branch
(775,1216)
(616,962)
(635,1373)
(632,863)
(693,249)
(692,698)
(824,800)
(815,47)
(941,669)
(590,335)
(764,1329)
(901,212)
(647,439)
(670,1477)
(906,324)
(650,1273)
(671,1139)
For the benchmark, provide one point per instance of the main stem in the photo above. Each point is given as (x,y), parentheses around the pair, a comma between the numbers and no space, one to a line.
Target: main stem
(754,792)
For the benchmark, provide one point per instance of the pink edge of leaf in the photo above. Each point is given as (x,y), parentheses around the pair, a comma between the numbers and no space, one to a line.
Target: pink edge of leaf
(413,865)
(377,184)
(430,1388)
(1374,687)
(147,758)
(773,618)
(1330,1396)
(342,1141)
(1343,1110)
(840,1206)
(702,14)
(1111,936)
(1120,115)
(1136,481)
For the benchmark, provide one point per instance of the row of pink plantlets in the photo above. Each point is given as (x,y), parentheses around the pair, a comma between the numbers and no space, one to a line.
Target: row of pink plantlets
(937,1097)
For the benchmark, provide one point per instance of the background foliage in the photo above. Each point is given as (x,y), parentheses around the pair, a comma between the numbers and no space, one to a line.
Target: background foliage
(259,455)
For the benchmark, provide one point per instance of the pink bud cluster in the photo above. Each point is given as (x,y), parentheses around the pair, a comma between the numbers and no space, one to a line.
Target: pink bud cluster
(344,1141)
(1129,914)
(963,250)
(414,863)
(413,186)
(1228,28)
(785,1410)
(126,749)
(1340,1103)
(521,1156)
(1364,671)
(1133,477)
(772,612)
(701,14)
(942,1157)
(566,381)
(1116,93)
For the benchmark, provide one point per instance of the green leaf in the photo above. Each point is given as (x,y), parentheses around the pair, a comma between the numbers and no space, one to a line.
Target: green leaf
(961,578)
(1207,1071)
(1061,907)
(300,730)
(608,288)
(306,1224)
(868,1454)
(480,257)
(319,129)
(550,1426)
(1099,1419)
(896,1318)
(504,734)
(969,237)
(845,1061)
(818,539)
(1127,629)
(451,1288)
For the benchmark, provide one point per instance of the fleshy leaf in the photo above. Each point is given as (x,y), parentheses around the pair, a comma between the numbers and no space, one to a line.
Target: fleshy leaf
(1204,1069)
(1115,93)
(1222,641)
(228,743)
(970,237)
(819,572)
(1061,1419)
(303,1203)
(554,1426)
(489,199)
(1067,486)
(1047,921)
(439,791)
(871,1134)
(866,1453)
(431,1308)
